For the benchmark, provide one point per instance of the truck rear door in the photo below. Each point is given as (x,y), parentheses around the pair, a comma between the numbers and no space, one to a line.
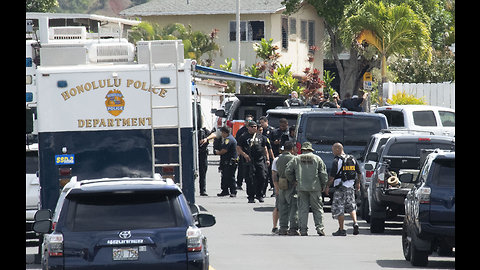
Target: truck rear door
(442,196)
(125,231)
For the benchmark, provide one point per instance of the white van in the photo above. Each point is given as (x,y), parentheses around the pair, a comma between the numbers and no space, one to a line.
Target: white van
(434,119)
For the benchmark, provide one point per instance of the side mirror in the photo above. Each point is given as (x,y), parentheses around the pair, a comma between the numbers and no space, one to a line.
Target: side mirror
(220,113)
(406,177)
(43,226)
(373,156)
(206,220)
(43,214)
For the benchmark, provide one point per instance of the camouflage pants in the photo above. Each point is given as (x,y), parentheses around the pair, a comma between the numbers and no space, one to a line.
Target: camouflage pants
(343,201)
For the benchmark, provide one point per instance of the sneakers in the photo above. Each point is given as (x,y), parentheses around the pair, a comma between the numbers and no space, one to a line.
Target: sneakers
(276,231)
(355,229)
(260,199)
(340,233)
(251,200)
(223,194)
(321,232)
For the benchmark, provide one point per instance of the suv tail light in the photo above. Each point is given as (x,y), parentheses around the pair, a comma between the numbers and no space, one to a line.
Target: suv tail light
(55,244)
(194,239)
(424,195)
(368,173)
(229,123)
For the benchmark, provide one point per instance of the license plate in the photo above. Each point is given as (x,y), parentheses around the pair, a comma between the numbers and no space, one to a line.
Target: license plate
(125,254)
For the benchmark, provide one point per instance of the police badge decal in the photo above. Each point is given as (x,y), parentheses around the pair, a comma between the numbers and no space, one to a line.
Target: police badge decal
(114,102)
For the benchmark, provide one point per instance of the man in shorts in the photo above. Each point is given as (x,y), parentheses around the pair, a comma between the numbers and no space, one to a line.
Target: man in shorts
(345,175)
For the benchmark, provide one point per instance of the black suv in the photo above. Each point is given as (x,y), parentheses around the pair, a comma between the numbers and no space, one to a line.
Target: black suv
(124,224)
(429,222)
(401,153)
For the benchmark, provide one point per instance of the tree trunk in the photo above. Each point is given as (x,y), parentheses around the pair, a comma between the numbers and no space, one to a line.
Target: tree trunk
(350,71)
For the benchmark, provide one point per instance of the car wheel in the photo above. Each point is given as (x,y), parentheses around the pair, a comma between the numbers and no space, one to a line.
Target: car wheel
(364,210)
(377,225)
(418,257)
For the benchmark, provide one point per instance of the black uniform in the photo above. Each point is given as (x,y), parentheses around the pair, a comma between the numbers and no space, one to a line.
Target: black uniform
(228,165)
(281,135)
(268,132)
(241,160)
(255,171)
(202,159)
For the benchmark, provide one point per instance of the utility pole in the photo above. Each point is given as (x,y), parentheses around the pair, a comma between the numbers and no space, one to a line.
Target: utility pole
(237,83)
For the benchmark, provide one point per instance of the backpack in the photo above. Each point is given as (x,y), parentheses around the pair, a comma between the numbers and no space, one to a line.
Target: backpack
(347,172)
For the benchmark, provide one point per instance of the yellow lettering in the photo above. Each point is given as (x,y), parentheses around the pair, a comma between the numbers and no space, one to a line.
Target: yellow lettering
(65,95)
(163,92)
(100,83)
(137,84)
(80,89)
(89,123)
(126,121)
(109,84)
(129,82)
(141,121)
(94,86)
(73,92)
(134,122)
(87,86)
(117,82)
(102,123)
(118,121)
(81,123)
(95,122)
(144,85)
(110,122)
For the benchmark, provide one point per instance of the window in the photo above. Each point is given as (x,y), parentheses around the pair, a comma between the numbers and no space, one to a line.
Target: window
(249,30)
(311,34)
(293,26)
(447,118)
(303,30)
(424,119)
(121,211)
(394,118)
(284,32)
(357,131)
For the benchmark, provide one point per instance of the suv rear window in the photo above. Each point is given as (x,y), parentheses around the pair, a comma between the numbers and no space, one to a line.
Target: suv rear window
(349,131)
(274,118)
(444,174)
(424,118)
(394,118)
(119,211)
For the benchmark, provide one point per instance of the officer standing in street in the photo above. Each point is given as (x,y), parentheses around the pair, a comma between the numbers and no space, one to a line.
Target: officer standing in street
(287,193)
(345,175)
(228,163)
(253,148)
(203,159)
(310,173)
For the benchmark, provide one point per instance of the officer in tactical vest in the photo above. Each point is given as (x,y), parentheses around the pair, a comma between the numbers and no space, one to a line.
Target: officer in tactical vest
(253,148)
(345,175)
(287,194)
(310,173)
(228,163)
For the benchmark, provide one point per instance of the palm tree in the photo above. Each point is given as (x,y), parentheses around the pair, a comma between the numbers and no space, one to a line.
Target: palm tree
(391,29)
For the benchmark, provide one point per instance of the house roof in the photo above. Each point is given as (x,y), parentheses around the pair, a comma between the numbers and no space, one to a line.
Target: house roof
(202,7)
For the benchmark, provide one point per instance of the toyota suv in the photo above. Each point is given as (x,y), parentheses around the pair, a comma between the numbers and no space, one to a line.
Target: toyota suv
(400,154)
(124,224)
(429,222)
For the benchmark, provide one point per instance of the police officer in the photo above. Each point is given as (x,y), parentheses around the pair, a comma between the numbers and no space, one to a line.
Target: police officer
(254,150)
(268,132)
(202,159)
(345,185)
(310,173)
(241,161)
(287,193)
(228,163)
(279,136)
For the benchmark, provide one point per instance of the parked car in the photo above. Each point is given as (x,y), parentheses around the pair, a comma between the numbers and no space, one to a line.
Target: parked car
(324,128)
(429,222)
(124,224)
(369,160)
(401,153)
(434,119)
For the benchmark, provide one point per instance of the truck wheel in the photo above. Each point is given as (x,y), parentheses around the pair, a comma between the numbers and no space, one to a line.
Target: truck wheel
(377,225)
(418,257)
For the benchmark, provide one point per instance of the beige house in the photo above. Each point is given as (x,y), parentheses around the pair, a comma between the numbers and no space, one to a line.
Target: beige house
(293,34)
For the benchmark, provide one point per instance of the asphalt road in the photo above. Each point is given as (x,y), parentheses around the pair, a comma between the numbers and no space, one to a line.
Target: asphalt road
(242,239)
